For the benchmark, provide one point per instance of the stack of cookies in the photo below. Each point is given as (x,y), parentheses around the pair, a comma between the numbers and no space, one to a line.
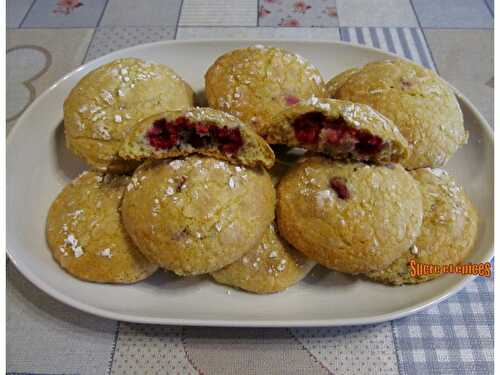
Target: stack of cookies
(195,190)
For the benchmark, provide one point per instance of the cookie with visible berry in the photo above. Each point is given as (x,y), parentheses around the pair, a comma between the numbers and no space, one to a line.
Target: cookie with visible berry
(86,235)
(340,130)
(197,214)
(448,230)
(421,104)
(255,83)
(202,131)
(107,102)
(350,217)
(271,267)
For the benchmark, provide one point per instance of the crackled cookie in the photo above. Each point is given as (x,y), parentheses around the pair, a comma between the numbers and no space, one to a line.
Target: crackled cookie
(271,267)
(86,235)
(418,101)
(339,129)
(336,82)
(204,131)
(255,83)
(350,217)
(198,214)
(106,103)
(448,230)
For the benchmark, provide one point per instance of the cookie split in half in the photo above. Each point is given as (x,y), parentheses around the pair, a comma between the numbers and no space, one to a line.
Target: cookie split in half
(202,131)
(340,130)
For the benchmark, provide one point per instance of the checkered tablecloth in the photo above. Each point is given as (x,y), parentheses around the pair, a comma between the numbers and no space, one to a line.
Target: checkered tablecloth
(48,38)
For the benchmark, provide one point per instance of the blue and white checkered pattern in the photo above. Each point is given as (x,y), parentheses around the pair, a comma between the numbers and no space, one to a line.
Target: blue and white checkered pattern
(452,337)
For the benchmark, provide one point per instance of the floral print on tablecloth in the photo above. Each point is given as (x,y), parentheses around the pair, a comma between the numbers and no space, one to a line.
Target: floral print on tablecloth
(298,13)
(65,7)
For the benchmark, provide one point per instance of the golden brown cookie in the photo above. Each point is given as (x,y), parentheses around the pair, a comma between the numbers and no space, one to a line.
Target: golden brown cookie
(203,131)
(448,230)
(350,217)
(257,82)
(271,267)
(339,129)
(106,103)
(86,235)
(418,101)
(198,214)
(336,82)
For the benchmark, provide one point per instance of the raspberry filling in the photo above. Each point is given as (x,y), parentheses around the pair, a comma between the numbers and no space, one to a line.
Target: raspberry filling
(340,187)
(291,100)
(336,133)
(164,135)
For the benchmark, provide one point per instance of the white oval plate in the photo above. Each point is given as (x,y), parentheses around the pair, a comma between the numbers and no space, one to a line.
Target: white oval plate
(38,166)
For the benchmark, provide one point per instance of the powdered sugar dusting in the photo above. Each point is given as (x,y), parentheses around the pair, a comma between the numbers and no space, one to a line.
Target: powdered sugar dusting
(103,132)
(107,97)
(106,253)
(72,242)
(324,197)
(437,172)
(176,164)
(218,227)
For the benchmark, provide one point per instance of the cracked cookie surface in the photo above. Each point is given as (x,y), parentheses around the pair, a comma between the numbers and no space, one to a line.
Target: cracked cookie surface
(421,104)
(107,102)
(448,230)
(86,235)
(271,267)
(198,214)
(255,83)
(350,217)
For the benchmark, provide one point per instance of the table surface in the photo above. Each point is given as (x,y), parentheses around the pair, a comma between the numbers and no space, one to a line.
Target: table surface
(48,38)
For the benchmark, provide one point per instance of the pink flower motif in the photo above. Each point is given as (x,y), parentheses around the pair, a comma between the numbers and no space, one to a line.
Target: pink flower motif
(273,1)
(66,6)
(300,7)
(263,11)
(331,11)
(289,22)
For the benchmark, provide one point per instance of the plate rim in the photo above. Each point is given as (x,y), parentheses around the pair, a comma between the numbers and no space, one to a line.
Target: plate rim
(208,322)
